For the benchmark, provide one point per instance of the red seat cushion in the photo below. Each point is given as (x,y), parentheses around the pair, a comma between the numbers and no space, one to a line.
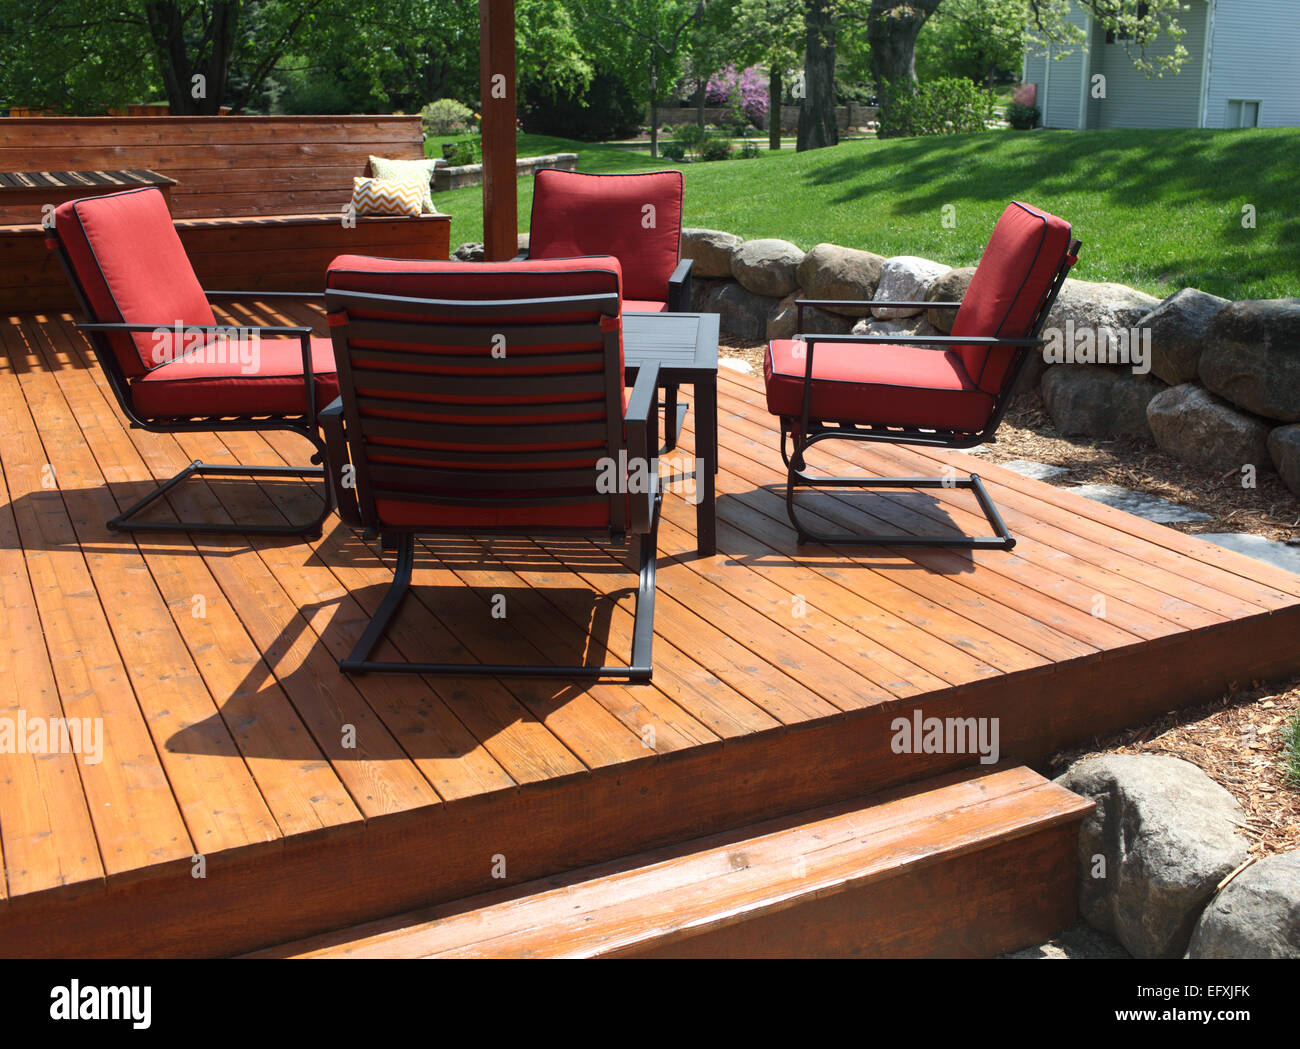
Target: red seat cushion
(635,218)
(125,252)
(485,413)
(1011,282)
(237,378)
(863,383)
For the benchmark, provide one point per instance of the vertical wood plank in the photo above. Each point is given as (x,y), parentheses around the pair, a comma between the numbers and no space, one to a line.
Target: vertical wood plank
(497,85)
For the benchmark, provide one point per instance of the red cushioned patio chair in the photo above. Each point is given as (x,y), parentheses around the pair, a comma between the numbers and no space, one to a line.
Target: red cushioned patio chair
(172,368)
(488,398)
(943,391)
(635,218)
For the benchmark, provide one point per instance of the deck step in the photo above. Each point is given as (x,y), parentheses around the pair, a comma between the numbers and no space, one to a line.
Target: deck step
(970,864)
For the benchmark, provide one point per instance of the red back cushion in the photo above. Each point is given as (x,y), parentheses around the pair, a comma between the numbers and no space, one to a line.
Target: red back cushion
(132,266)
(1010,283)
(635,218)
(478,417)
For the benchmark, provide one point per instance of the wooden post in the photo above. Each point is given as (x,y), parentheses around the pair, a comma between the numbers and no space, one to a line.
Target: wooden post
(497,84)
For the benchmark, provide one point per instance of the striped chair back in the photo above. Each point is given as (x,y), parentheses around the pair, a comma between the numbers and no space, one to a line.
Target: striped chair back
(482,396)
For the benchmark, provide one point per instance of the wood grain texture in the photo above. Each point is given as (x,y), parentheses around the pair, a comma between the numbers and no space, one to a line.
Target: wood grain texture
(821,883)
(226,736)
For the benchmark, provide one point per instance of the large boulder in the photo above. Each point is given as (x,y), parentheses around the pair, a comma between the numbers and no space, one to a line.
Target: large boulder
(1284,450)
(951,287)
(744,314)
(767,266)
(783,319)
(916,325)
(710,250)
(1098,402)
(1191,424)
(470,251)
(704,294)
(1252,357)
(832,272)
(1152,852)
(1177,329)
(1257,915)
(905,278)
(1106,310)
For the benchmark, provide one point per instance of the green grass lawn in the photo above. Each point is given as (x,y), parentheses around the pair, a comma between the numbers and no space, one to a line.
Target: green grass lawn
(1158,210)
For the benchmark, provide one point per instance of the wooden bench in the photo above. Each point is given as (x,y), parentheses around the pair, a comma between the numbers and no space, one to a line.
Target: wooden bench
(259,201)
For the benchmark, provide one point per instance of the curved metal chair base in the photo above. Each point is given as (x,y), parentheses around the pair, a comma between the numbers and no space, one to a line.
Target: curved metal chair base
(1002,539)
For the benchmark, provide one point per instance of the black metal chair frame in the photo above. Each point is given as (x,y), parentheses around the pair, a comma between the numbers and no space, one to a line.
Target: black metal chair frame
(804,432)
(304,425)
(346,433)
(678,301)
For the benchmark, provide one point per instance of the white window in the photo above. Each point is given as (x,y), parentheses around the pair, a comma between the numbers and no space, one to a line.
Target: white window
(1242,113)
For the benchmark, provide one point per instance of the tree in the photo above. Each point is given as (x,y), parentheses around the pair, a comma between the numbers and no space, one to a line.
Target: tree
(770,32)
(893,27)
(817,125)
(648,39)
(976,39)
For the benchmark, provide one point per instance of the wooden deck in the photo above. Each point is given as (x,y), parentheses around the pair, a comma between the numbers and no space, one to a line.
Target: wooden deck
(249,794)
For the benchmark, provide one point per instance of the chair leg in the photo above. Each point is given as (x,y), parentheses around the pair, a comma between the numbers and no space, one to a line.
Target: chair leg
(309,529)
(1002,539)
(639,667)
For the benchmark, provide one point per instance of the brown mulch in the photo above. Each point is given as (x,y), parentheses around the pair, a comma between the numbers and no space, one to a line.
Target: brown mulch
(1238,740)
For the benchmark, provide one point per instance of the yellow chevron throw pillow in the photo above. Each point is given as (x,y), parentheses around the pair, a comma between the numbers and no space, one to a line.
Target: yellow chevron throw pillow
(377,196)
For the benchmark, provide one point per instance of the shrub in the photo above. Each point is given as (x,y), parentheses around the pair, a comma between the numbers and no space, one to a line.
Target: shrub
(716,149)
(945,106)
(749,151)
(1022,117)
(445,117)
(692,137)
(607,109)
(458,154)
(674,151)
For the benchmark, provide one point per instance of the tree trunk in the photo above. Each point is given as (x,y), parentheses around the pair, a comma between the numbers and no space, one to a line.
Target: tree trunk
(817,126)
(892,29)
(654,109)
(774,109)
(701,100)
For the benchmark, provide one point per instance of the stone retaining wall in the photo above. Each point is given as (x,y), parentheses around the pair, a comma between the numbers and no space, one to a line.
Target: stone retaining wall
(1215,383)
(445,178)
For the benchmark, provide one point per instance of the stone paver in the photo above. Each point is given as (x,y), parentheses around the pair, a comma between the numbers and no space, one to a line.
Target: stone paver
(1038,471)
(1282,555)
(1161,511)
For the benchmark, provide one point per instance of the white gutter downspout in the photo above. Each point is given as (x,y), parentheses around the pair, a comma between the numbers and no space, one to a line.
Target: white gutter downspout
(1206,59)
(1047,81)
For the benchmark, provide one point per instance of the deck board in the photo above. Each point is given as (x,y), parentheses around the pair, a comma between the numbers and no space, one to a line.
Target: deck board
(778,669)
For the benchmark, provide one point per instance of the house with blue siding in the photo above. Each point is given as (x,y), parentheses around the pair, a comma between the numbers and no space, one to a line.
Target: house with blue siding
(1243,70)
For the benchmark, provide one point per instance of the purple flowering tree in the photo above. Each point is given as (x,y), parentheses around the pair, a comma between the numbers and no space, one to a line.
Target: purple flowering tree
(745,90)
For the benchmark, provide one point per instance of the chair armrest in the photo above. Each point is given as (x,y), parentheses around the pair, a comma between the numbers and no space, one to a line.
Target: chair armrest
(872,302)
(679,288)
(207,329)
(935,341)
(336,460)
(640,421)
(319,295)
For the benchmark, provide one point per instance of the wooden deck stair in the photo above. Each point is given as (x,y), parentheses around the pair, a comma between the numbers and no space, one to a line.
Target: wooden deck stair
(969,864)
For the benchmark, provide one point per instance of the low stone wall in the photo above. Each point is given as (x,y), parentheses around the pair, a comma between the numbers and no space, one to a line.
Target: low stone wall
(445,178)
(1215,383)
